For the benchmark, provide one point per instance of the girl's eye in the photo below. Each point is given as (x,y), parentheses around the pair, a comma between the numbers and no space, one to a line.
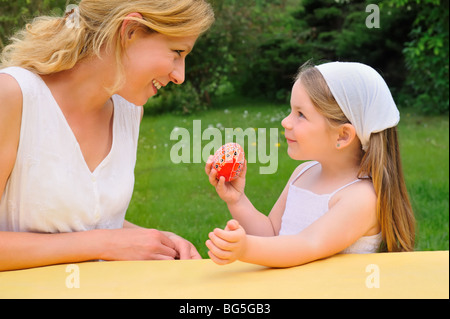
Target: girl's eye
(300,114)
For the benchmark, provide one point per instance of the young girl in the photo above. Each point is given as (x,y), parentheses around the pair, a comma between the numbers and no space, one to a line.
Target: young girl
(71,90)
(351,198)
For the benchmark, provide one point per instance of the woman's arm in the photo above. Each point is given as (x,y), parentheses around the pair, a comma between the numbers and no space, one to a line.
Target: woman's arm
(24,250)
(20,250)
(10,122)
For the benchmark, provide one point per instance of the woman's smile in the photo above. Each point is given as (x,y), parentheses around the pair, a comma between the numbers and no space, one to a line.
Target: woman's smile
(156,86)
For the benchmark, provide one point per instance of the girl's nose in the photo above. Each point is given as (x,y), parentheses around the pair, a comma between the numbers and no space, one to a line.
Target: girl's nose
(286,123)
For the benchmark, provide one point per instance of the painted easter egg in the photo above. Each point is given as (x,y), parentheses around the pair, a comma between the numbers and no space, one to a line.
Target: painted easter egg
(229,161)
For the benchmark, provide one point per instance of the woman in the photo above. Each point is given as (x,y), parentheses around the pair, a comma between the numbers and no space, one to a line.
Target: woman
(71,91)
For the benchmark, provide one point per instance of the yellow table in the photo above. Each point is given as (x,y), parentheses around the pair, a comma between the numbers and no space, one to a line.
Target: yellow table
(387,275)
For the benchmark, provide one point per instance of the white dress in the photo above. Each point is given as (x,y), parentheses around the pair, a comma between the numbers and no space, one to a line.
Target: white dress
(51,189)
(304,207)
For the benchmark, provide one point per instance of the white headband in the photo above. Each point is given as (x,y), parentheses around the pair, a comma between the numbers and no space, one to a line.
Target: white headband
(363,96)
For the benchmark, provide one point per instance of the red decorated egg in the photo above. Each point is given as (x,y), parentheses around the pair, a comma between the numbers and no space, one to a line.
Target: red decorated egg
(229,161)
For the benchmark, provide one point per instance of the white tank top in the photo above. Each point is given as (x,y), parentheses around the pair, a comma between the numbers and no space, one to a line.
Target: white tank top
(51,189)
(304,207)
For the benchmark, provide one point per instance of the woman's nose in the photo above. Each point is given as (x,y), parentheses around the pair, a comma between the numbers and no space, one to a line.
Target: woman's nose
(178,74)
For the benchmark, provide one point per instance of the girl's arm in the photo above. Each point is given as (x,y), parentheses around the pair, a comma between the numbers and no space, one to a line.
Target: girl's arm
(240,207)
(238,204)
(351,217)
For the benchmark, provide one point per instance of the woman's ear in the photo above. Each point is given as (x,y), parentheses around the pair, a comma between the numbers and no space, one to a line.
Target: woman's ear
(126,30)
(346,135)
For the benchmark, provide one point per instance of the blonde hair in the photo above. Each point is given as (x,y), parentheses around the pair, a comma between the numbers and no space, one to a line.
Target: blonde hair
(381,162)
(49,45)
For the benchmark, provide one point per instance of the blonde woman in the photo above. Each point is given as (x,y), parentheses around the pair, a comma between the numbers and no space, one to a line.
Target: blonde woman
(350,195)
(71,91)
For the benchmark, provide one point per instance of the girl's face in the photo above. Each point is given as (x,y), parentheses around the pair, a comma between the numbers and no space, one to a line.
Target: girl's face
(308,134)
(151,61)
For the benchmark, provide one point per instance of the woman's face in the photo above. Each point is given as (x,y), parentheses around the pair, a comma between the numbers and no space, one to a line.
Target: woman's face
(151,61)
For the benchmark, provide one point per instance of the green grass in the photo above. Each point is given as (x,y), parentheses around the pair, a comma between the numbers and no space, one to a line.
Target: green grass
(425,155)
(179,198)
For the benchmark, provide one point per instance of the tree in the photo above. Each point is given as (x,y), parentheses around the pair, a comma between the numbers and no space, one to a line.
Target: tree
(14,14)
(426,54)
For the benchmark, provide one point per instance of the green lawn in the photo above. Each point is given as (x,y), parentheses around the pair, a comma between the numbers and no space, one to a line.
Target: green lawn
(179,198)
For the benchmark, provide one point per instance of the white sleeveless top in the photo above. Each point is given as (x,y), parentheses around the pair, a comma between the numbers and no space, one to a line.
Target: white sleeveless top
(304,207)
(51,189)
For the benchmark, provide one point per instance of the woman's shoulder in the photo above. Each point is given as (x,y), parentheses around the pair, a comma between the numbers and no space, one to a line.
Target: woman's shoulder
(19,81)
(10,95)
(10,122)
(19,73)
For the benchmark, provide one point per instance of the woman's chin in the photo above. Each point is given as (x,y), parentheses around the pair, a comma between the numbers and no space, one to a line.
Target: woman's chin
(139,100)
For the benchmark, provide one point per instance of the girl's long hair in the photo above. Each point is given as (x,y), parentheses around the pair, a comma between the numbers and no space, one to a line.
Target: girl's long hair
(52,44)
(381,162)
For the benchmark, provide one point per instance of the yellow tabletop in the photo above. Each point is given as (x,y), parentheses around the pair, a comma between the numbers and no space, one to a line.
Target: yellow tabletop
(384,275)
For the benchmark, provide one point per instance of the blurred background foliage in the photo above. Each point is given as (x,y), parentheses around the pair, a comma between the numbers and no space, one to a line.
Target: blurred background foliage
(256,46)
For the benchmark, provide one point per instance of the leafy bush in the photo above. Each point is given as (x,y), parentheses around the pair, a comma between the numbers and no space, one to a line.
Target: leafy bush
(272,74)
(14,14)
(426,57)
(256,46)
(182,99)
(328,30)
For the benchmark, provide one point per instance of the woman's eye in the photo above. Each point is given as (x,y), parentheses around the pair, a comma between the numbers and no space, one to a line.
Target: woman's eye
(179,52)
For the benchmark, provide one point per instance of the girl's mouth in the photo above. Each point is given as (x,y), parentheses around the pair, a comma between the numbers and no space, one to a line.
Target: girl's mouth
(289,140)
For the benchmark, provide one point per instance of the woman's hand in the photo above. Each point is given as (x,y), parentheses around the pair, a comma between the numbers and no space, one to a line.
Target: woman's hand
(229,192)
(227,245)
(184,248)
(136,243)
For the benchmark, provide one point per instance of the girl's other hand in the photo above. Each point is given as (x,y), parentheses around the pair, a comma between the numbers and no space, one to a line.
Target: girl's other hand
(227,245)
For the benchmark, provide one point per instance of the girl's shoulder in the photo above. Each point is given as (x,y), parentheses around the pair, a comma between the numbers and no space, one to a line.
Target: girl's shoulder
(300,168)
(360,196)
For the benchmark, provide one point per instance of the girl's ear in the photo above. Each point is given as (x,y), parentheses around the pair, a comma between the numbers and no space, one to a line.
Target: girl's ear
(346,135)
(126,30)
